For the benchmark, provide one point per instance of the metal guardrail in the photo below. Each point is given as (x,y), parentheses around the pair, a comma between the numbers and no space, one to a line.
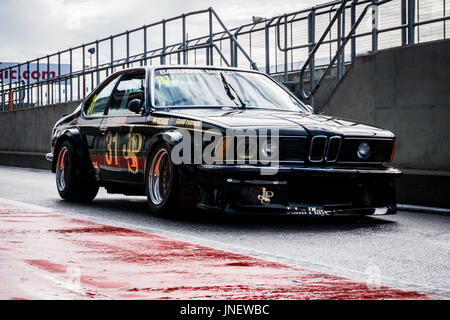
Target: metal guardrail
(342,42)
(20,93)
(281,45)
(407,27)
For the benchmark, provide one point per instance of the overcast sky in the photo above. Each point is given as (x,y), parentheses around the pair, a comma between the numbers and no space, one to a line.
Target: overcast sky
(34,28)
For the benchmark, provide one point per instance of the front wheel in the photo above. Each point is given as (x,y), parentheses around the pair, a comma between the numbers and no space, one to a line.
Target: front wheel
(161,182)
(73,181)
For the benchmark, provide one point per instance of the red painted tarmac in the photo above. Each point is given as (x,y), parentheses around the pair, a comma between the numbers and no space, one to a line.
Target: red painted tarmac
(51,256)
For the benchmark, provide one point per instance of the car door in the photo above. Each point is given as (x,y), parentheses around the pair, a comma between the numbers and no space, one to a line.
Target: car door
(123,138)
(92,115)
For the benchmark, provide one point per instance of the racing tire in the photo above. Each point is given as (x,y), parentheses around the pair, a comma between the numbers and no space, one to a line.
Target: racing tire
(73,180)
(161,182)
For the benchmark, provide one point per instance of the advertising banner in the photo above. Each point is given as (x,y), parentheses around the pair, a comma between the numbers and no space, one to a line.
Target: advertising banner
(31,74)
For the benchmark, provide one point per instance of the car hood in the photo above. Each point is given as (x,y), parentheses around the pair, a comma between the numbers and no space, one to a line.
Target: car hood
(283,120)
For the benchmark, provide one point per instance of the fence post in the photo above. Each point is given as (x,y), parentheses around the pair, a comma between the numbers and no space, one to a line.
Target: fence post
(39,94)
(145,47)
(232,53)
(48,79)
(184,39)
(285,49)
(411,20)
(3,92)
(59,77)
(28,86)
(84,67)
(374,26)
(342,57)
(311,40)
(70,72)
(234,49)
(163,53)
(19,87)
(128,48)
(209,50)
(352,22)
(267,47)
(10,90)
(338,45)
(97,62)
(111,38)
(403,17)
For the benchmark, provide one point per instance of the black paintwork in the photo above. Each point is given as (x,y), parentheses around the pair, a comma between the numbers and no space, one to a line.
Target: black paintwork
(347,185)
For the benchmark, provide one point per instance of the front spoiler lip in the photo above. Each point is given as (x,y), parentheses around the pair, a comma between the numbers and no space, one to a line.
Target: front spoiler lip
(352,212)
(392,172)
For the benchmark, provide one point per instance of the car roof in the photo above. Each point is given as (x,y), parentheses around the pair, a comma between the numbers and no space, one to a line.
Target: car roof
(187,66)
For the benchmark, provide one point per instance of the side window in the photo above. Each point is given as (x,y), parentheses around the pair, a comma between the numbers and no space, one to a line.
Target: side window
(130,87)
(97,105)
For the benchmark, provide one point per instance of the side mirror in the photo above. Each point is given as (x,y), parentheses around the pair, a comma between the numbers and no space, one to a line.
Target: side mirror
(309,108)
(135,105)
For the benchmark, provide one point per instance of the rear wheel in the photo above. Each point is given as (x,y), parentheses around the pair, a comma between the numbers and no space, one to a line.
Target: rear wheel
(161,182)
(73,181)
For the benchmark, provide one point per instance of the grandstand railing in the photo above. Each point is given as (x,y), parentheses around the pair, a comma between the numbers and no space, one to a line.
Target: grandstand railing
(279,45)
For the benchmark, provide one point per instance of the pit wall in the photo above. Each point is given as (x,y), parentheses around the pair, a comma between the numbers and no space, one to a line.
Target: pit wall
(25,134)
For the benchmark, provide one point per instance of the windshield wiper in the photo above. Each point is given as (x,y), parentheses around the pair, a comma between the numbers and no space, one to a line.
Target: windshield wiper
(228,89)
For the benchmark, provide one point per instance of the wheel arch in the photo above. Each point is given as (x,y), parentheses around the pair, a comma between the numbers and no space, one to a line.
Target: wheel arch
(75,136)
(171,137)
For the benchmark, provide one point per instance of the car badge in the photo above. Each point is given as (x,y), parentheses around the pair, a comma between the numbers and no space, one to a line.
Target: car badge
(265,196)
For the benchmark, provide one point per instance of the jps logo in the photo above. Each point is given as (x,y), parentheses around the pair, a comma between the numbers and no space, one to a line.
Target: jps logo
(131,149)
(265,196)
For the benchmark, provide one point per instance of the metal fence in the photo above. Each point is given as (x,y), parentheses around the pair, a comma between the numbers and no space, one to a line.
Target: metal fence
(277,45)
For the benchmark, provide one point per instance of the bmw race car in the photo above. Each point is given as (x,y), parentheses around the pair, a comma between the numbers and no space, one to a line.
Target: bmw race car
(223,139)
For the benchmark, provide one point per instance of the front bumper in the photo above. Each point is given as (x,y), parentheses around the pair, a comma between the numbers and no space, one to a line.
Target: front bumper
(298,190)
(49,156)
(300,170)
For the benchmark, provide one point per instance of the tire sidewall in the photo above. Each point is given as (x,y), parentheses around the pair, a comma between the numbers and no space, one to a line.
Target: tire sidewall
(72,178)
(171,201)
(80,186)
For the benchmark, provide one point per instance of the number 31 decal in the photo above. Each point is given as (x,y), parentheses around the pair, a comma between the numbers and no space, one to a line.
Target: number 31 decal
(110,139)
(129,150)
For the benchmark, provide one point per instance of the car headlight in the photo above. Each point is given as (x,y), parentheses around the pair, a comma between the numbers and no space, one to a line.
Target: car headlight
(394,147)
(222,149)
(269,149)
(364,151)
(246,149)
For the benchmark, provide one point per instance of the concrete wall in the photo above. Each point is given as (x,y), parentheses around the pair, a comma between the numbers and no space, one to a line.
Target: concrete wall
(25,134)
(406,90)
(322,94)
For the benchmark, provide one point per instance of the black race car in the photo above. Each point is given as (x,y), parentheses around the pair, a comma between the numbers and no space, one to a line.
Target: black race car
(222,139)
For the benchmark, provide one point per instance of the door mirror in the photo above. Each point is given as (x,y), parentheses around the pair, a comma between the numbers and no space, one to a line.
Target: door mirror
(135,105)
(309,108)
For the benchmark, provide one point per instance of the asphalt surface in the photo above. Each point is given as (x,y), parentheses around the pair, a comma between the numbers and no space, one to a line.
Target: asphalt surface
(409,250)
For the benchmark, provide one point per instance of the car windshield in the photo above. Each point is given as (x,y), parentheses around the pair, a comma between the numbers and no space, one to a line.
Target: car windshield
(186,87)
